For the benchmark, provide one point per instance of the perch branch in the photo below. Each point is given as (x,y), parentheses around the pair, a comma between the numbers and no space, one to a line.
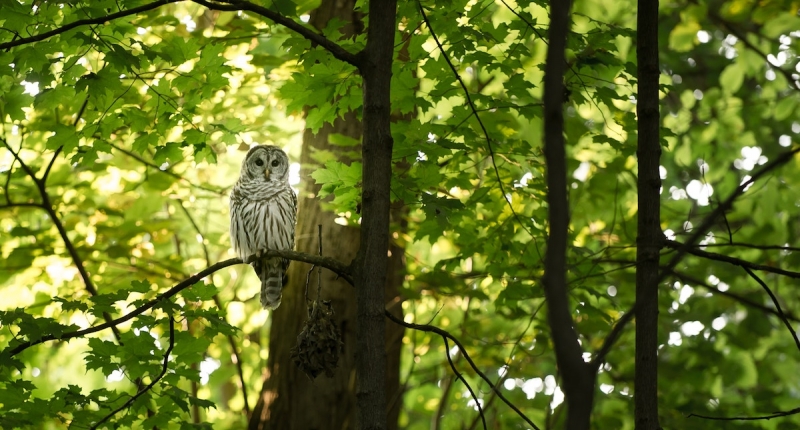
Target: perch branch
(328,263)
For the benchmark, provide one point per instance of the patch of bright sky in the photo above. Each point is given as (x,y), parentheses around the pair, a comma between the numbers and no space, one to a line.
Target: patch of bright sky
(294,174)
(523,181)
(31,88)
(699,191)
(692,328)
(686,292)
(116,376)
(207,367)
(471,401)
(675,339)
(582,172)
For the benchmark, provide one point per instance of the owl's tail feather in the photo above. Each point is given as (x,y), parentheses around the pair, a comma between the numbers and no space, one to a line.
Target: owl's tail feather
(271,276)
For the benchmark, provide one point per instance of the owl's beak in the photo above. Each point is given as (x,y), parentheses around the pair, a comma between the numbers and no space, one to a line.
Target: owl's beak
(266,173)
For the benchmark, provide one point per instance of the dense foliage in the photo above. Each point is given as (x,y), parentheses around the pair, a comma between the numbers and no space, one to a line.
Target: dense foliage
(131,131)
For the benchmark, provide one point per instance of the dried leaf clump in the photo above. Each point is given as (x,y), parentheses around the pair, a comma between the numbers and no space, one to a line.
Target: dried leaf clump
(319,343)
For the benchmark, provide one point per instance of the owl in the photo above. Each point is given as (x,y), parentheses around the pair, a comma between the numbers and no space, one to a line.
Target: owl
(263,212)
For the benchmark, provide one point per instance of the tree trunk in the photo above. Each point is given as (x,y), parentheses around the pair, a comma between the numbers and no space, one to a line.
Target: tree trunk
(650,237)
(372,263)
(578,377)
(289,399)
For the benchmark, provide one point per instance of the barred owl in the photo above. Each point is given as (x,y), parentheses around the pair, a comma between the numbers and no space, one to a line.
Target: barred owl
(263,211)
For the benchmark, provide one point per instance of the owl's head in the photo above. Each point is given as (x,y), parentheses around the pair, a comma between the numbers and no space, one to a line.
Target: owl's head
(265,163)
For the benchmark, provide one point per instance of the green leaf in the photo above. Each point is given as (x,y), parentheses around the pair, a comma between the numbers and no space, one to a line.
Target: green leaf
(732,78)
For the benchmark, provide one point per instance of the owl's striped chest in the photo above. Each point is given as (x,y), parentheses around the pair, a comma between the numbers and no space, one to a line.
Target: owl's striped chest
(259,223)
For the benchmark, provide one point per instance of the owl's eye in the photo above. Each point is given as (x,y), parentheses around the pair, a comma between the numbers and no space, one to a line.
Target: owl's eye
(275,163)
(259,162)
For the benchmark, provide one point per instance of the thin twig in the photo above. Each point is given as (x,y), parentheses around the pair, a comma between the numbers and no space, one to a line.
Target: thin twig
(725,205)
(169,172)
(459,376)
(61,147)
(444,333)
(152,383)
(238,358)
(733,260)
(73,252)
(776,303)
(477,117)
(756,418)
(740,299)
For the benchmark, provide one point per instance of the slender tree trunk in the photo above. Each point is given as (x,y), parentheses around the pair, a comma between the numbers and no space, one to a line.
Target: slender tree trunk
(289,399)
(650,236)
(372,262)
(578,379)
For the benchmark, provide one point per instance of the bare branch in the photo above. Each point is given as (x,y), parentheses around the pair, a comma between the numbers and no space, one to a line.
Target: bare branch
(733,260)
(169,172)
(85,22)
(328,263)
(756,418)
(477,117)
(743,300)
(725,205)
(446,334)
(777,305)
(61,147)
(335,49)
(459,376)
(230,6)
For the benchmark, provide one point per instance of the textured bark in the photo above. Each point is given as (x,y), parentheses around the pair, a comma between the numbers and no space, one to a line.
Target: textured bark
(578,378)
(650,237)
(372,262)
(289,400)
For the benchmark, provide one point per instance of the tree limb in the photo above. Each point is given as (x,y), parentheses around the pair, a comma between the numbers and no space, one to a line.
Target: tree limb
(446,334)
(326,262)
(335,49)
(228,6)
(733,260)
(84,22)
(725,205)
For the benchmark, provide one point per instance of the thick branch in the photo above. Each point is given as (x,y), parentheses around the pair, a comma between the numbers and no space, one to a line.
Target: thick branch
(328,263)
(335,49)
(84,22)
